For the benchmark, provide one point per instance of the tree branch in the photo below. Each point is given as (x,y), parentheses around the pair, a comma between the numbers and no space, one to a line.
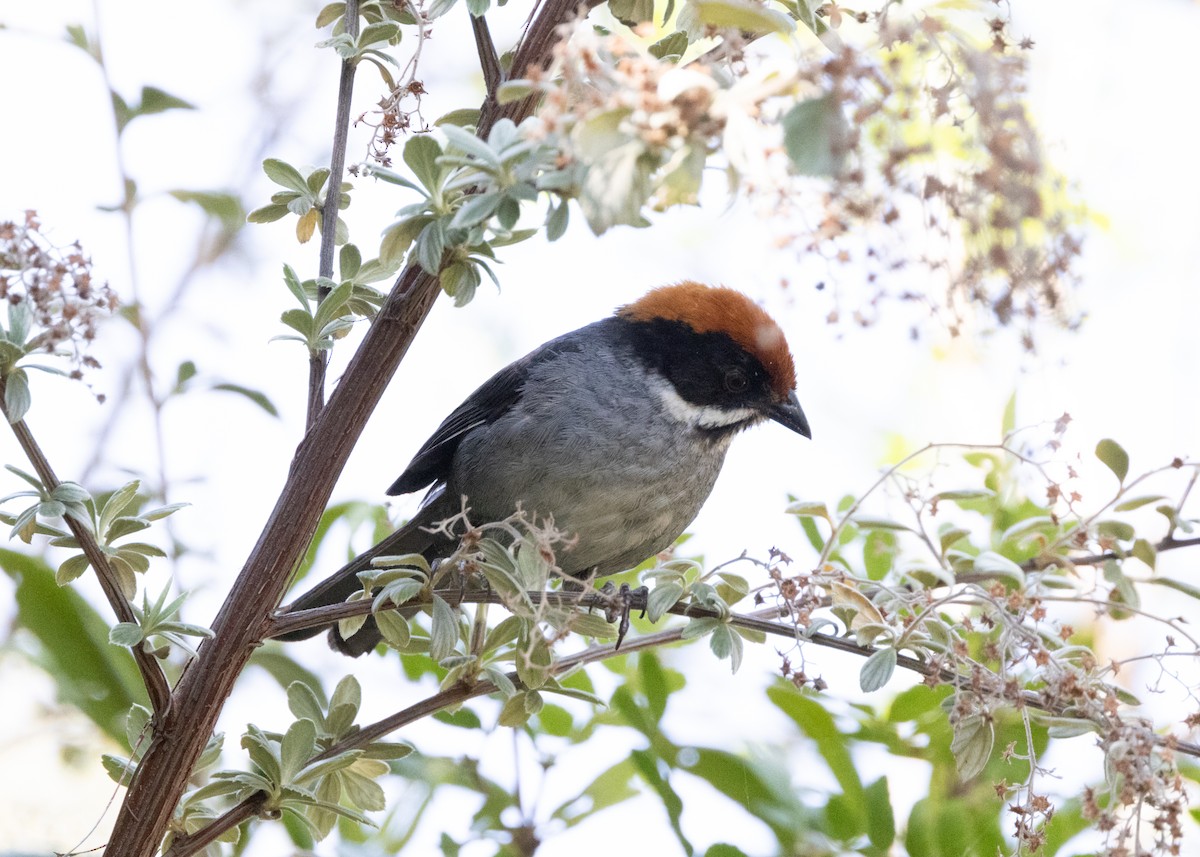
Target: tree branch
(489,62)
(318,361)
(758,621)
(453,696)
(153,678)
(238,629)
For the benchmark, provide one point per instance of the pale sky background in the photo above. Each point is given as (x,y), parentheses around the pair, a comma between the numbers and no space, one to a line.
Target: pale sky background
(1106,92)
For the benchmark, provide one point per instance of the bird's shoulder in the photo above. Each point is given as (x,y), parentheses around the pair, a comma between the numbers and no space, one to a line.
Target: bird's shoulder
(492,400)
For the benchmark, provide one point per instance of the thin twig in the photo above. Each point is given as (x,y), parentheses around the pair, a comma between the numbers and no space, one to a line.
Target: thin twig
(759,621)
(318,361)
(195,842)
(453,696)
(152,675)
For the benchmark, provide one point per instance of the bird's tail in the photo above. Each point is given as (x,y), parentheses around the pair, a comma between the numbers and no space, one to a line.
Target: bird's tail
(413,537)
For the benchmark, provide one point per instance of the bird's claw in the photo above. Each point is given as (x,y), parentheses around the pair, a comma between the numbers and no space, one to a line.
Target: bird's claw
(621,602)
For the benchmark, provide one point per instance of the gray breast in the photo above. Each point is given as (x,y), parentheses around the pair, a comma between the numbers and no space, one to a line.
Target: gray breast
(626,479)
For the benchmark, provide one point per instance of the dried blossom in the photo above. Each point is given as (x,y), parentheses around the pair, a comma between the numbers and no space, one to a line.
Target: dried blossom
(55,305)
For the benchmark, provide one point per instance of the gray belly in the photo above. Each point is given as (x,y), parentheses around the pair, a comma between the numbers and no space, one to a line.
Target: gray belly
(621,501)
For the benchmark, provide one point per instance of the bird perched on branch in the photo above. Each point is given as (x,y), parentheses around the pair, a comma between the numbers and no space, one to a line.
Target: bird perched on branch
(617,430)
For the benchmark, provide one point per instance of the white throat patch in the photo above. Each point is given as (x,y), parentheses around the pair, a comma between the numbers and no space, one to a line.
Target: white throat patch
(701,416)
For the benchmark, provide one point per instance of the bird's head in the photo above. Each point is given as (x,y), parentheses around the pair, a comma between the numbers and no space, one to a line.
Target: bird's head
(726,361)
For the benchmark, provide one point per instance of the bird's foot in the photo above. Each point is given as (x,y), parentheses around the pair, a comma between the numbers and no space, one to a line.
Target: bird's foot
(621,602)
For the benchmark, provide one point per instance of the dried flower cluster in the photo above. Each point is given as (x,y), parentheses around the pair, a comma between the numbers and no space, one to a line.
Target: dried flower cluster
(397,115)
(641,129)
(915,161)
(54,285)
(945,197)
(994,620)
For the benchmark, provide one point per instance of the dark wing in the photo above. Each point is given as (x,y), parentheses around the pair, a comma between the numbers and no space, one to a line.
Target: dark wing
(495,398)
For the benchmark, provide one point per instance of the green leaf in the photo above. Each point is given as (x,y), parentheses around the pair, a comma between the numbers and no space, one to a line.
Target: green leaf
(609,788)
(306,701)
(394,627)
(759,785)
(809,509)
(71,569)
(99,679)
(155,100)
(443,638)
(879,551)
(881,820)
(819,725)
(1114,457)
(430,246)
(514,713)
(463,117)
(1144,551)
(880,524)
(471,145)
(974,736)
(398,237)
(478,208)
(17,398)
(221,206)
(514,90)
(421,153)
(1115,530)
(330,13)
(662,598)
(877,670)
(256,396)
(438,8)
(965,494)
(747,16)
(1188,589)
(672,46)
(725,643)
(1002,568)
(950,537)
(349,261)
(632,12)
(78,37)
(617,184)
(814,136)
(125,634)
(296,748)
(534,660)
(381,33)
(459,280)
(1137,503)
(282,667)
(647,765)
(556,221)
(591,625)
(1123,592)
(268,213)
(283,173)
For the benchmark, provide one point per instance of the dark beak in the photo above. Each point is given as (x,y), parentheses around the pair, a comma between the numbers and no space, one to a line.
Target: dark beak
(788,413)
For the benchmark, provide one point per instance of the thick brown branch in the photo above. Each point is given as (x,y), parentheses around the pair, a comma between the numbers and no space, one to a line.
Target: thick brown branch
(239,626)
(155,681)
(489,62)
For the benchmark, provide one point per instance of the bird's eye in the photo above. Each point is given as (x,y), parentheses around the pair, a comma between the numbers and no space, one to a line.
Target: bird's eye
(736,381)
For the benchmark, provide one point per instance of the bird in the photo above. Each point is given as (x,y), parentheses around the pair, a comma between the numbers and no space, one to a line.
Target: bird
(615,431)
